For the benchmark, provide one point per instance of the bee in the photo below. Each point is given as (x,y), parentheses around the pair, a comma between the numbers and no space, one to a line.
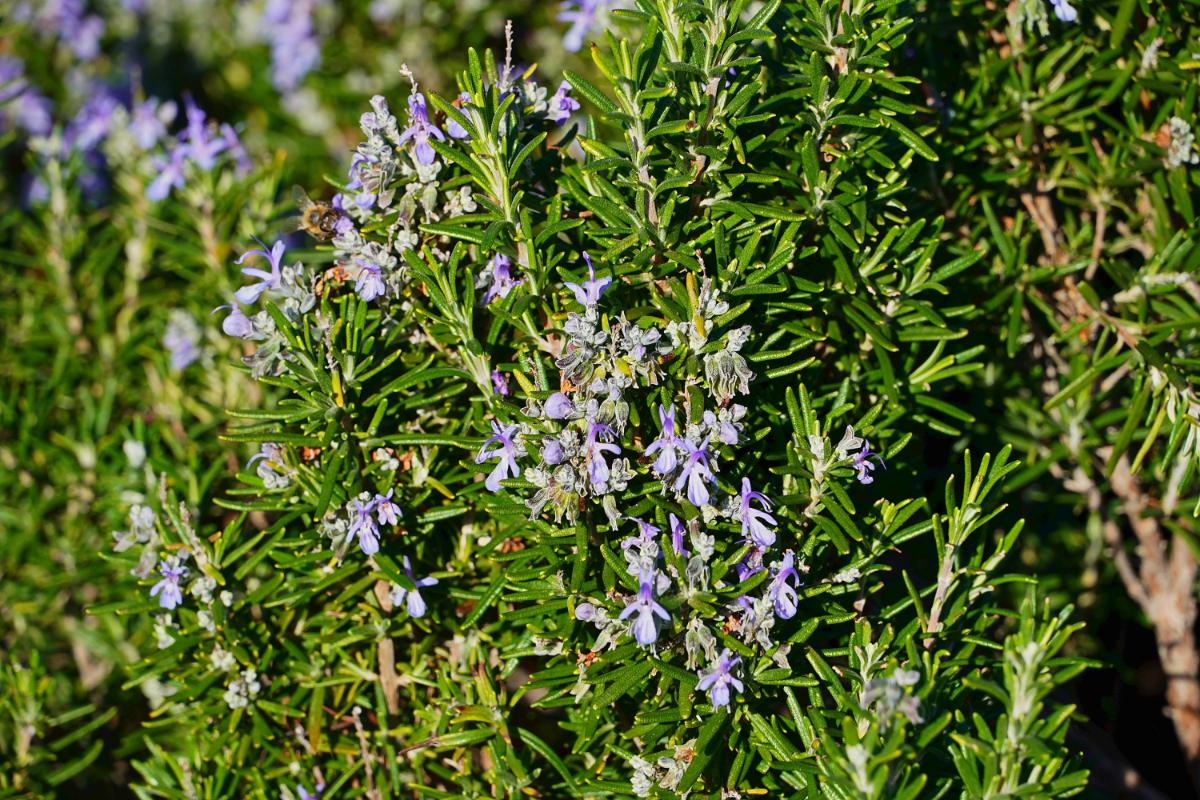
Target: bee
(317,219)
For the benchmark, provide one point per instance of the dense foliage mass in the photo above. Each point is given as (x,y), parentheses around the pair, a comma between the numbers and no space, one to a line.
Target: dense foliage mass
(648,428)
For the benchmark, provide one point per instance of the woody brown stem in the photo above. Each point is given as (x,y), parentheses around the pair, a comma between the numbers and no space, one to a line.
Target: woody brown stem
(1167,575)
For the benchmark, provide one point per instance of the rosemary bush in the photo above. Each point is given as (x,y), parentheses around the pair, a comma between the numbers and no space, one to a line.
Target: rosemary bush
(570,488)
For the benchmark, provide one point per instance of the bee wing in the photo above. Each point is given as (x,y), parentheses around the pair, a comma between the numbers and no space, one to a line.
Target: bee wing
(301,198)
(293,224)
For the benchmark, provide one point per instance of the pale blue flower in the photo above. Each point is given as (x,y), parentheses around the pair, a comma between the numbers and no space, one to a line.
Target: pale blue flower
(170,174)
(589,293)
(561,105)
(559,406)
(645,629)
(667,443)
(236,323)
(696,473)
(598,443)
(500,383)
(755,521)
(455,130)
(500,280)
(386,511)
(202,147)
(717,679)
(862,462)
(167,590)
(181,339)
(505,451)
(420,129)
(148,122)
(581,14)
(369,284)
(677,531)
(267,280)
(553,452)
(411,598)
(782,593)
(364,528)
(1064,10)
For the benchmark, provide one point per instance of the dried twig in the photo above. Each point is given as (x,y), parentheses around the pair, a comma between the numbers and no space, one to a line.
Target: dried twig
(372,792)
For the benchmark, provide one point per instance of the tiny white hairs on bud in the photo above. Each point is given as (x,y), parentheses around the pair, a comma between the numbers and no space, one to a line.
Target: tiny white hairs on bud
(406,72)
(508,48)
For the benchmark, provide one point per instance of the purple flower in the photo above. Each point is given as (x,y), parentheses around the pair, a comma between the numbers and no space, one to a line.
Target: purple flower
(592,290)
(552,452)
(559,406)
(85,40)
(455,130)
(167,590)
(181,339)
(696,473)
(31,110)
(585,612)
(269,452)
(862,463)
(236,324)
(1064,11)
(287,26)
(202,147)
(12,78)
(411,598)
(33,113)
(369,284)
(505,450)
(598,438)
(387,512)
(782,594)
(501,280)
(233,146)
(148,122)
(645,630)
(751,565)
(667,443)
(727,432)
(170,174)
(269,280)
(717,679)
(754,520)
(562,104)
(91,125)
(581,14)
(420,129)
(315,794)
(646,534)
(364,527)
(360,169)
(500,383)
(677,531)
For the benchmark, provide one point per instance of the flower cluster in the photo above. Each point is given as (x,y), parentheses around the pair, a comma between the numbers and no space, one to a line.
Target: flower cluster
(21,104)
(580,438)
(285,285)
(66,21)
(287,26)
